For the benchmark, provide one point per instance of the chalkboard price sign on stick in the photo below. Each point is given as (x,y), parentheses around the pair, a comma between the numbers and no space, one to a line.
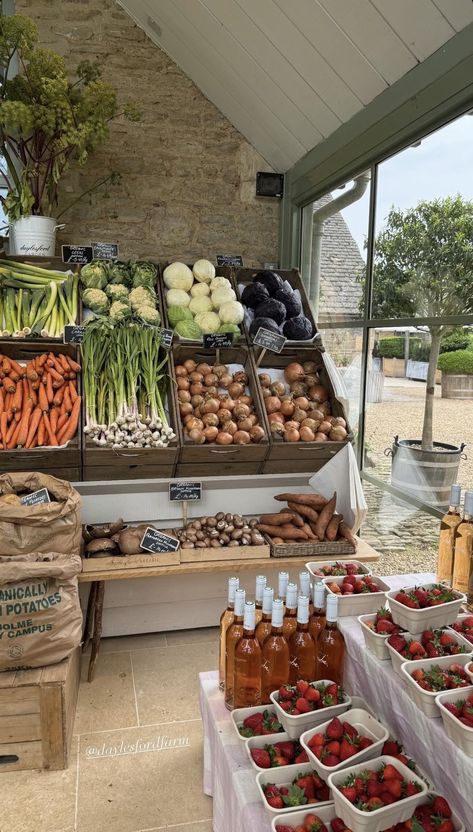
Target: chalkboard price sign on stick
(269,340)
(105,251)
(77,254)
(73,334)
(216,340)
(36,498)
(180,492)
(155,541)
(229,260)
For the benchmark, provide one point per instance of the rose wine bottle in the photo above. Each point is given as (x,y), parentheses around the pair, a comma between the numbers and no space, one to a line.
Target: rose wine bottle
(448,527)
(274,655)
(263,629)
(317,619)
(234,633)
(247,672)
(302,646)
(283,579)
(304,588)
(463,558)
(330,646)
(290,616)
(260,585)
(226,619)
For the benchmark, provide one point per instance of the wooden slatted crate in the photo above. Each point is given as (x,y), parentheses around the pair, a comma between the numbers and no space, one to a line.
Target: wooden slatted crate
(37,710)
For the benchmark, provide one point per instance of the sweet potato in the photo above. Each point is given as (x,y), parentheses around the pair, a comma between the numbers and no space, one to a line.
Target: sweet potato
(286,532)
(296,518)
(331,531)
(345,532)
(311,500)
(325,517)
(310,534)
(276,519)
(306,511)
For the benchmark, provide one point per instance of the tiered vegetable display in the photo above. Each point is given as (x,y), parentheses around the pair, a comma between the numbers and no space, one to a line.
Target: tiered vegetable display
(214,405)
(200,303)
(35,301)
(298,407)
(121,291)
(39,402)
(125,375)
(271,303)
(308,517)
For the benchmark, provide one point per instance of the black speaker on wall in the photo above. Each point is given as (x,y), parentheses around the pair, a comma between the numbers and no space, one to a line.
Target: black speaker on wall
(270,184)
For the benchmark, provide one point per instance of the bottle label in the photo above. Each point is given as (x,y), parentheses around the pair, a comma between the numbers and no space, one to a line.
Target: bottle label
(278,614)
(303,610)
(282,584)
(233,584)
(319,596)
(260,585)
(240,601)
(291,597)
(249,618)
(267,600)
(332,608)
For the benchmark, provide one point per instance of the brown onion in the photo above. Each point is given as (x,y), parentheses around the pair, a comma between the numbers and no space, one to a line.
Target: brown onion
(294,372)
(181,371)
(338,434)
(325,408)
(272,404)
(265,380)
(220,370)
(287,408)
(197,436)
(309,367)
(320,437)
(276,417)
(211,406)
(211,433)
(184,396)
(298,389)
(325,427)
(257,433)
(241,377)
(196,376)
(311,380)
(204,368)
(228,403)
(253,418)
(224,438)
(190,365)
(188,417)
(182,383)
(278,388)
(212,391)
(230,427)
(291,423)
(241,437)
(245,400)
(307,435)
(245,424)
(241,411)
(318,393)
(312,424)
(196,400)
(339,420)
(197,412)
(302,402)
(266,392)
(316,414)
(291,435)
(226,380)
(185,409)
(210,380)
(224,415)
(195,424)
(196,388)
(277,428)
(299,415)
(235,389)
(210,420)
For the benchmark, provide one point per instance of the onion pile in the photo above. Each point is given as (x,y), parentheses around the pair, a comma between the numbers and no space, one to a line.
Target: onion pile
(299,409)
(214,406)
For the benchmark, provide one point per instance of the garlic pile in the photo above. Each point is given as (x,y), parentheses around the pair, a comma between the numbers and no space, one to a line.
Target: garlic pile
(131,432)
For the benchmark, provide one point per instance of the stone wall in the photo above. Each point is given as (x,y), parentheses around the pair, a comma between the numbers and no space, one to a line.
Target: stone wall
(188,176)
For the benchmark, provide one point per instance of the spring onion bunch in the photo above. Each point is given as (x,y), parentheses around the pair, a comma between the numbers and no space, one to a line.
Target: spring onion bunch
(124,371)
(36,301)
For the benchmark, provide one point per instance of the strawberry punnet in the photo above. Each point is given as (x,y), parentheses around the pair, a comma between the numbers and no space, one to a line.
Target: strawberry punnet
(317,695)
(274,755)
(433,643)
(462,710)
(263,722)
(339,569)
(373,789)
(422,597)
(305,788)
(338,743)
(436,678)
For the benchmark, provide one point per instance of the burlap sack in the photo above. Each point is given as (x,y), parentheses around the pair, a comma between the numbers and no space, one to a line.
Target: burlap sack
(40,614)
(48,527)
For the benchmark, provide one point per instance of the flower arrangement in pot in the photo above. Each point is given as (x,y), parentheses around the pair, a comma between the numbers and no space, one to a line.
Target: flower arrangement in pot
(48,122)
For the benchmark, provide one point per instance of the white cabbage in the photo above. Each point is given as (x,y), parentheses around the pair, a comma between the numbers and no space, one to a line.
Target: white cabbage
(222,295)
(200,289)
(200,304)
(178,276)
(208,321)
(231,312)
(177,297)
(203,271)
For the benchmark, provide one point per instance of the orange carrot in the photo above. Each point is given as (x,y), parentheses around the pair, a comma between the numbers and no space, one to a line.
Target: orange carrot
(72,392)
(75,367)
(67,401)
(58,396)
(34,441)
(9,384)
(63,418)
(41,432)
(53,417)
(17,398)
(4,429)
(49,389)
(63,362)
(24,424)
(41,360)
(18,368)
(33,428)
(56,376)
(50,435)
(12,440)
(31,373)
(43,399)
(32,394)
(2,400)
(70,428)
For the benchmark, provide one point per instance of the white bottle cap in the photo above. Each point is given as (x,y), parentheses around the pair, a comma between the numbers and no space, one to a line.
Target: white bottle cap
(303,609)
(260,585)
(456,495)
(332,608)
(240,596)
(319,595)
(249,616)
(291,597)
(233,584)
(268,594)
(282,584)
(304,583)
(278,613)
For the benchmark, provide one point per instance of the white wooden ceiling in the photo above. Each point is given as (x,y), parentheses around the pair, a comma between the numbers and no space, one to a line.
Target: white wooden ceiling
(287,73)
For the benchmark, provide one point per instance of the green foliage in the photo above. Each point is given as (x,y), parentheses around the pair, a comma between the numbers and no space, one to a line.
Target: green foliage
(459,362)
(419,350)
(392,347)
(458,340)
(47,121)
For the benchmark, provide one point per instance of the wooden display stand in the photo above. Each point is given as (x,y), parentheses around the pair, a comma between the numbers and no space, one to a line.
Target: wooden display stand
(37,710)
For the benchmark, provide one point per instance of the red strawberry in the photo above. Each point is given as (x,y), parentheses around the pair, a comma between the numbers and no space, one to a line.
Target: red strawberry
(418,674)
(454,709)
(391,748)
(334,729)
(427,635)
(312,694)
(374,788)
(415,648)
(365,742)
(391,773)
(301,758)
(422,596)
(350,730)
(387,798)
(270,790)
(407,600)
(347,750)
(338,825)
(261,757)
(394,787)
(302,705)
(441,807)
(276,802)
(332,690)
(446,640)
(253,721)
(349,792)
(359,586)
(330,759)
(374,803)
(412,788)
(397,642)
(285,705)
(316,740)
(349,579)
(432,651)
(282,827)
(383,627)
(306,784)
(285,749)
(333,747)
(445,825)
(302,686)
(285,692)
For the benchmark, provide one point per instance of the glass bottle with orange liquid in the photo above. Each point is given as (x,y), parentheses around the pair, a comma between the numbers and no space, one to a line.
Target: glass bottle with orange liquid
(274,655)
(317,619)
(305,588)
(234,633)
(260,585)
(226,619)
(302,646)
(330,646)
(290,615)
(263,629)
(247,672)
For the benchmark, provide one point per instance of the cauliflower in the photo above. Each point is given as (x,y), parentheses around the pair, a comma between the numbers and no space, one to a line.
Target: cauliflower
(119,311)
(116,291)
(178,276)
(199,289)
(96,300)
(149,315)
(208,321)
(94,275)
(142,296)
(199,305)
(222,295)
(177,297)
(231,312)
(203,271)
(219,282)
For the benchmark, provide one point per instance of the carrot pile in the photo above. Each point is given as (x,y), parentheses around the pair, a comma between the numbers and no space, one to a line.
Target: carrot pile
(39,402)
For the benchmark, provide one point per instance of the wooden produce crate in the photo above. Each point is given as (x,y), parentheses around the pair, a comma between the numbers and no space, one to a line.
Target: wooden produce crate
(133,463)
(310,548)
(220,271)
(64,463)
(226,553)
(208,459)
(299,457)
(37,710)
(139,561)
(243,277)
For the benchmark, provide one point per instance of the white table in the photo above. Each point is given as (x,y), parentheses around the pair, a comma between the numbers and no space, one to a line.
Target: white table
(230,779)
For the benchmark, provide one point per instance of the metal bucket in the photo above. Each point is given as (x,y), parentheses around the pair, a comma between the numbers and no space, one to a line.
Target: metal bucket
(33,236)
(427,475)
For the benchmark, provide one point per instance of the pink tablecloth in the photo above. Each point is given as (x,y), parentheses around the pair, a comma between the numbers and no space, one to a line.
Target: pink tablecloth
(230,779)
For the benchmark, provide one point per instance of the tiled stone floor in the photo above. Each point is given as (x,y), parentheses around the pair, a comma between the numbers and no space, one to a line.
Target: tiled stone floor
(137,754)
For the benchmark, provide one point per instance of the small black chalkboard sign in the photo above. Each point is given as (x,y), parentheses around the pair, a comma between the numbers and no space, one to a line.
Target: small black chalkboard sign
(229,260)
(269,340)
(73,334)
(216,340)
(166,338)
(155,541)
(77,254)
(105,251)
(36,498)
(180,492)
